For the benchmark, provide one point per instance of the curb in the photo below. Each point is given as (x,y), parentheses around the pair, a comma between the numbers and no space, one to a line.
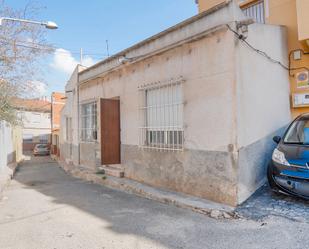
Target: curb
(199,205)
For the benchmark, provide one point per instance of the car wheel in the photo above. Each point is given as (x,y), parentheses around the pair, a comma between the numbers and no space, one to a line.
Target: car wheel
(271,180)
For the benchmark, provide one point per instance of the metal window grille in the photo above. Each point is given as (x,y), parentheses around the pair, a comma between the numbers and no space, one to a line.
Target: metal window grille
(89,122)
(161,116)
(255,11)
(44,138)
(27,138)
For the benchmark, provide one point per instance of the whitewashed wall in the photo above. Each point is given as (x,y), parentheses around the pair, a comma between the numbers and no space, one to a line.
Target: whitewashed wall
(6,145)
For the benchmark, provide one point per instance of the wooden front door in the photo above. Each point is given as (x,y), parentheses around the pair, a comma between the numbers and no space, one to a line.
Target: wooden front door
(110,131)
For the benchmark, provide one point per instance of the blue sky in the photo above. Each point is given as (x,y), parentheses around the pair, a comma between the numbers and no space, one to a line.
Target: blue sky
(88,24)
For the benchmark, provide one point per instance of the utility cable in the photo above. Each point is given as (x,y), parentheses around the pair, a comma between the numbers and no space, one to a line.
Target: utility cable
(288,68)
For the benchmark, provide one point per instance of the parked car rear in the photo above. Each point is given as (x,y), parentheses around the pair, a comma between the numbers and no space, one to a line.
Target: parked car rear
(41,150)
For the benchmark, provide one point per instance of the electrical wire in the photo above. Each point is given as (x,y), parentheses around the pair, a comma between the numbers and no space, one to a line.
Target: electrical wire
(288,68)
(38,46)
(303,52)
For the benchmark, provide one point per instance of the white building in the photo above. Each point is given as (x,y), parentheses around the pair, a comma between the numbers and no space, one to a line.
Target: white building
(36,121)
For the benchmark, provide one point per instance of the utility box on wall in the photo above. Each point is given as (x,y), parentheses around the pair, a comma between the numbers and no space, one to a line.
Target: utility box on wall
(300,100)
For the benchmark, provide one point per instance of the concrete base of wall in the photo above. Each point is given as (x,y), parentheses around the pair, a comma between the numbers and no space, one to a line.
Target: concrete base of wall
(253,161)
(212,209)
(90,155)
(211,175)
(206,174)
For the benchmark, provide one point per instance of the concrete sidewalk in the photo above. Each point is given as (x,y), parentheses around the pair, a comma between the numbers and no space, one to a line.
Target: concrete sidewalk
(212,209)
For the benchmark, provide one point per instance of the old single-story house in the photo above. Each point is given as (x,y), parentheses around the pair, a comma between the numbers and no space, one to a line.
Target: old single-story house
(191,109)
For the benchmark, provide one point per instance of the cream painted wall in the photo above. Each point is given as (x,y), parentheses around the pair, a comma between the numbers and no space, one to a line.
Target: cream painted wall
(71,107)
(207,67)
(263,103)
(263,86)
(10,144)
(37,120)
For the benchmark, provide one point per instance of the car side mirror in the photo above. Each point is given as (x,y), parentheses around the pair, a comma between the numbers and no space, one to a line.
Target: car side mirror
(277,139)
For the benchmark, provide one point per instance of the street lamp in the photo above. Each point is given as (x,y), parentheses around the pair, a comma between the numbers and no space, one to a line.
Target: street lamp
(48,25)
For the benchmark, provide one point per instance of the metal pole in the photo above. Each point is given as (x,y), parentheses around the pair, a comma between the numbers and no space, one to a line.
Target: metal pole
(107,48)
(81,56)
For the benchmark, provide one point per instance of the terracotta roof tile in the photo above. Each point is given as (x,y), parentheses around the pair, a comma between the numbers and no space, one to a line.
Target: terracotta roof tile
(32,104)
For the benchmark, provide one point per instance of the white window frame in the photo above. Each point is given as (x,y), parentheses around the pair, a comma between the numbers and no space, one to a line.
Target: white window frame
(255,10)
(92,129)
(161,115)
(68,129)
(36,118)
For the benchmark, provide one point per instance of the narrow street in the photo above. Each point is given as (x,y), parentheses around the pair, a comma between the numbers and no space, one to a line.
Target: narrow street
(45,208)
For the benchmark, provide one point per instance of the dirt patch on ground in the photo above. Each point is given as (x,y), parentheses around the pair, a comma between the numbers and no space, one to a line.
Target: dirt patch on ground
(265,203)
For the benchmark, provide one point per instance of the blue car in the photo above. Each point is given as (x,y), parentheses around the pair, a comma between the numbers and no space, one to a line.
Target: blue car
(288,171)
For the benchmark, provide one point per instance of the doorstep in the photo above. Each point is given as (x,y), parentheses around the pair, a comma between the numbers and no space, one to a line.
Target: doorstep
(199,205)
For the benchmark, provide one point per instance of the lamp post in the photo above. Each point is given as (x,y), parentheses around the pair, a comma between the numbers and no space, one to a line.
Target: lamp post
(48,25)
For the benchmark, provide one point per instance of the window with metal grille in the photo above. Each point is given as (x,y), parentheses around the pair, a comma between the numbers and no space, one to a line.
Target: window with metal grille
(89,122)
(255,11)
(44,138)
(27,138)
(68,129)
(161,116)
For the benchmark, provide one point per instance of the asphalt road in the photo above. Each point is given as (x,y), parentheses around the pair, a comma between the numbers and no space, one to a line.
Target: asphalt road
(45,208)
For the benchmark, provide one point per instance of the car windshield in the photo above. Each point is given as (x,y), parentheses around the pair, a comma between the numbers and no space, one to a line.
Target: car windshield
(298,132)
(41,146)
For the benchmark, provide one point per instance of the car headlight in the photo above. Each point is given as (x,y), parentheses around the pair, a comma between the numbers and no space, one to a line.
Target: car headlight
(279,157)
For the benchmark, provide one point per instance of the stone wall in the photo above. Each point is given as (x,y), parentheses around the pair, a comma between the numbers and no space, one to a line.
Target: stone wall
(206,174)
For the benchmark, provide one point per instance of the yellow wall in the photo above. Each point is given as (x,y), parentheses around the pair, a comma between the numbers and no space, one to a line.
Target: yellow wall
(285,12)
(204,5)
(207,4)
(294,15)
(302,7)
(17,143)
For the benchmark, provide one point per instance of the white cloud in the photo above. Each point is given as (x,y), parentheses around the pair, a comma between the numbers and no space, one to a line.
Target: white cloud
(36,89)
(64,61)
(40,87)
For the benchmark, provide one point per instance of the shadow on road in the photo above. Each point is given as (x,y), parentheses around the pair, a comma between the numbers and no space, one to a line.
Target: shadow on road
(127,214)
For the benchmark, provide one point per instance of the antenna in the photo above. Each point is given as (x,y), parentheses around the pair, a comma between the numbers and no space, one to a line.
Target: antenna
(81,56)
(107,48)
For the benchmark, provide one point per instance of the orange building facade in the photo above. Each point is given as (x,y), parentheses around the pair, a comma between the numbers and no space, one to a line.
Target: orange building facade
(293,15)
